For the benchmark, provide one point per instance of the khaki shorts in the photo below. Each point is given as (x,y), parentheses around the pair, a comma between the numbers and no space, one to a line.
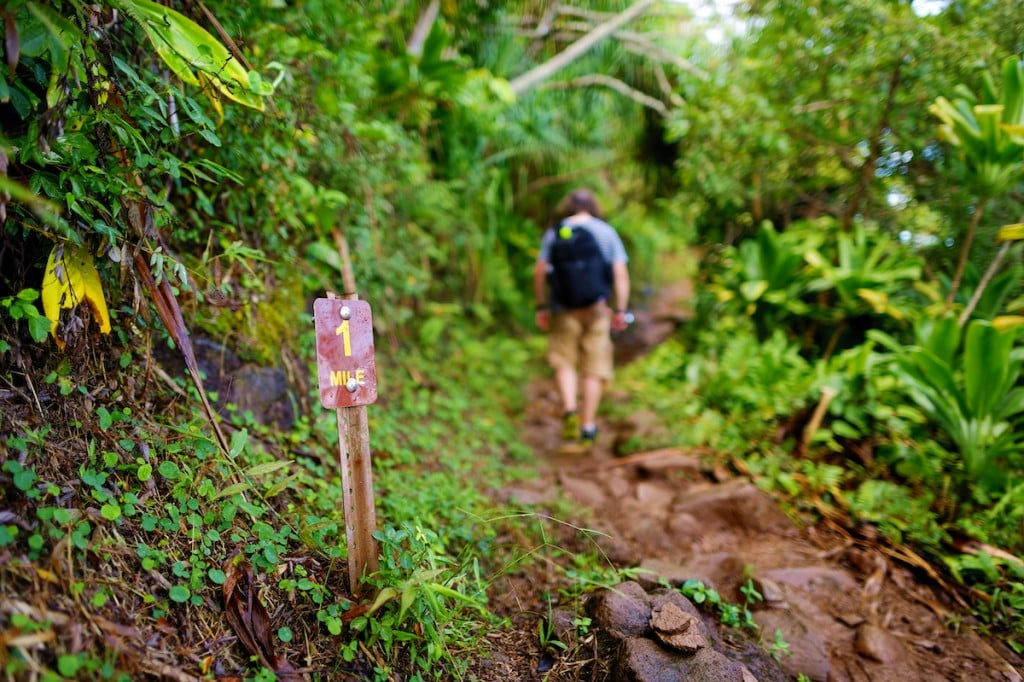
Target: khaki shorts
(582,339)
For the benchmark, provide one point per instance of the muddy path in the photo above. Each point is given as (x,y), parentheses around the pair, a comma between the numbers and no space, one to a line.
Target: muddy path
(847,607)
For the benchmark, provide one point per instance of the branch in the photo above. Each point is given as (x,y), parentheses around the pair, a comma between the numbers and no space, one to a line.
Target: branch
(616,85)
(821,105)
(232,47)
(544,27)
(544,71)
(983,284)
(666,87)
(868,168)
(637,44)
(422,29)
(965,251)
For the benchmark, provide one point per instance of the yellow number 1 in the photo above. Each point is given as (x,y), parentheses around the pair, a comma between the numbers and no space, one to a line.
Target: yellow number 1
(343,331)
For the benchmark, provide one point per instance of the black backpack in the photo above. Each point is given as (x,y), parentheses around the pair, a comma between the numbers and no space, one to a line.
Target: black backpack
(580,276)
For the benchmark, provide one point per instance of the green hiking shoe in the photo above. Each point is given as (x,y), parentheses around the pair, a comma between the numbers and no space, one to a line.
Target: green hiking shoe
(582,444)
(571,427)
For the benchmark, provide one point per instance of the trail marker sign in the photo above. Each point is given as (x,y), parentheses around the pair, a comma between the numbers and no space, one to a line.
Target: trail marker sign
(348,382)
(344,352)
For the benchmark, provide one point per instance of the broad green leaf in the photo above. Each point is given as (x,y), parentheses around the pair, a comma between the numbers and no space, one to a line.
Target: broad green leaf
(169,470)
(752,290)
(383,597)
(184,45)
(266,468)
(281,485)
(179,593)
(1012,404)
(38,327)
(408,597)
(239,439)
(986,354)
(233,489)
(936,387)
(941,336)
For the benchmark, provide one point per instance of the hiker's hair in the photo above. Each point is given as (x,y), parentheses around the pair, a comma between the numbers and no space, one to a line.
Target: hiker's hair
(577,201)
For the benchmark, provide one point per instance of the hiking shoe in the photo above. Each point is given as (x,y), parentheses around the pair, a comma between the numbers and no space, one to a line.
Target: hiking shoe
(589,436)
(571,427)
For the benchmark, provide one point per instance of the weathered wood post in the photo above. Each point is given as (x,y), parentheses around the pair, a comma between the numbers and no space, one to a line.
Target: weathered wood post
(348,382)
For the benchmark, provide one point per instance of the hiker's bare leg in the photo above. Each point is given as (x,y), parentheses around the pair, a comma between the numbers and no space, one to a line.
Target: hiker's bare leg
(568,382)
(591,397)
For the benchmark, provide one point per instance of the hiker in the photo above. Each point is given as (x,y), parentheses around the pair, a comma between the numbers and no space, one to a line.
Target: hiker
(581,287)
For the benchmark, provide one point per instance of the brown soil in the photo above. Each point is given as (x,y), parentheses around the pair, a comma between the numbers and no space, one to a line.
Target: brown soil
(849,606)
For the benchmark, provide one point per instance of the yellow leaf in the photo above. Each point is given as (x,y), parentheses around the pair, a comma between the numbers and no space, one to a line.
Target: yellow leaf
(210,90)
(1011,232)
(1004,322)
(71,279)
(878,300)
(48,576)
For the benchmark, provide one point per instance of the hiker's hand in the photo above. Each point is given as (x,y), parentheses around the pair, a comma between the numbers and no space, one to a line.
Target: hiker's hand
(620,320)
(543,319)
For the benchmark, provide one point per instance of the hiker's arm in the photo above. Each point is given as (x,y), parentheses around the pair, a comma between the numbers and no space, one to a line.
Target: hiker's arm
(540,294)
(620,278)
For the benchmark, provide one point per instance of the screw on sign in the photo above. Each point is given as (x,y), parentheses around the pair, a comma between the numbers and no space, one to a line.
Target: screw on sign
(348,381)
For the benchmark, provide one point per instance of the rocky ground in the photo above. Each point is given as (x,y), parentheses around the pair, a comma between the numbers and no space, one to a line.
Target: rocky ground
(837,605)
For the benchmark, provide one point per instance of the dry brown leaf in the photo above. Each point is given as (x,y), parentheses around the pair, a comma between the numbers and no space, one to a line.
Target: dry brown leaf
(14,638)
(170,313)
(12,43)
(249,619)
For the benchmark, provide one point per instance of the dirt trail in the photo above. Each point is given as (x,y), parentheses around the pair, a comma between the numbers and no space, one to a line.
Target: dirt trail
(846,606)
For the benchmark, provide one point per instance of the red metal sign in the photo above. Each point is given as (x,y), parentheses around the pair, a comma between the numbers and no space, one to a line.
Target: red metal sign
(344,352)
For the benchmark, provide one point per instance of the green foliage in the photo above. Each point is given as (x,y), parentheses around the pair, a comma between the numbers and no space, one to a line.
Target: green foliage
(900,513)
(868,274)
(988,131)
(779,647)
(733,615)
(418,578)
(766,277)
(969,392)
(194,55)
(816,274)
(22,307)
(171,505)
(741,376)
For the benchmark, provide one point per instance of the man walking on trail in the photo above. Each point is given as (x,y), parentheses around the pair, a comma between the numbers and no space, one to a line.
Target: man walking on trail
(581,286)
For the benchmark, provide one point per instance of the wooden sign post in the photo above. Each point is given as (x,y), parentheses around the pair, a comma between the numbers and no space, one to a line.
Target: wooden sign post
(348,382)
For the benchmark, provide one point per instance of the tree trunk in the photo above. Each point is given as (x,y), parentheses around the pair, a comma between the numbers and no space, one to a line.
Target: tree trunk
(868,169)
(965,251)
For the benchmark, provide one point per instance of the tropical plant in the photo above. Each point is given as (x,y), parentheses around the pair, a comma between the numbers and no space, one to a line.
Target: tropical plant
(867,268)
(970,393)
(988,132)
(766,277)
(869,274)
